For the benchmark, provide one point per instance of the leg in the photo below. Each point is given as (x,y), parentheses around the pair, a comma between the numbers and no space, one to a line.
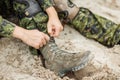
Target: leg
(90,25)
(66,6)
(95,27)
(56,60)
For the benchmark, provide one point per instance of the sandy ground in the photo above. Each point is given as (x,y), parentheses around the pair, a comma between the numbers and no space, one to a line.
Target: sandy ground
(16,62)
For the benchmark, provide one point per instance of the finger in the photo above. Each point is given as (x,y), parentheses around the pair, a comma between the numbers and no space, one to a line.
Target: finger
(35,45)
(61,28)
(49,30)
(47,38)
(40,45)
(53,31)
(43,40)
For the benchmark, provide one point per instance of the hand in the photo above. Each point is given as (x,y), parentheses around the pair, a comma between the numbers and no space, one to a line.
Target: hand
(33,38)
(54,25)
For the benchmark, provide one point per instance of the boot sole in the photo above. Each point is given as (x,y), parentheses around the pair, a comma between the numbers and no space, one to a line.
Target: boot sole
(84,62)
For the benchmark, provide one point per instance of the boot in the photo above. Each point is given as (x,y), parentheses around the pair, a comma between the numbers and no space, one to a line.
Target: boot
(61,61)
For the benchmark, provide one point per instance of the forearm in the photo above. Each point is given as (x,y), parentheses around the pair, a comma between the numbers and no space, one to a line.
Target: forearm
(18,32)
(9,29)
(51,12)
(47,6)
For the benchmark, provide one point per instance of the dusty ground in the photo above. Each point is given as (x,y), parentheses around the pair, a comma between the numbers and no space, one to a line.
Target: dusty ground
(16,62)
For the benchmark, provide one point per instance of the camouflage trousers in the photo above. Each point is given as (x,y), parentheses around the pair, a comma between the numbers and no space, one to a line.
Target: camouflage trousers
(96,27)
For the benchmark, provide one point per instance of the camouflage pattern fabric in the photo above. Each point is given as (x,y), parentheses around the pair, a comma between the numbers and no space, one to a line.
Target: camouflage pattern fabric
(96,27)
(45,4)
(6,28)
(38,21)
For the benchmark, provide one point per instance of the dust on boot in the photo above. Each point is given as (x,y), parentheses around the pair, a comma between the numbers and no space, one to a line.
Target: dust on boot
(61,61)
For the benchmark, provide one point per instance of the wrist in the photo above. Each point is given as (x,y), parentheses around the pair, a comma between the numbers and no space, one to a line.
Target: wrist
(51,12)
(18,32)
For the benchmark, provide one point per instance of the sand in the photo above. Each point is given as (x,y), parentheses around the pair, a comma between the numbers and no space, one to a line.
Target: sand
(17,63)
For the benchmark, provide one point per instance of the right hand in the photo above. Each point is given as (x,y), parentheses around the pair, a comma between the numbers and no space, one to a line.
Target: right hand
(54,25)
(32,38)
